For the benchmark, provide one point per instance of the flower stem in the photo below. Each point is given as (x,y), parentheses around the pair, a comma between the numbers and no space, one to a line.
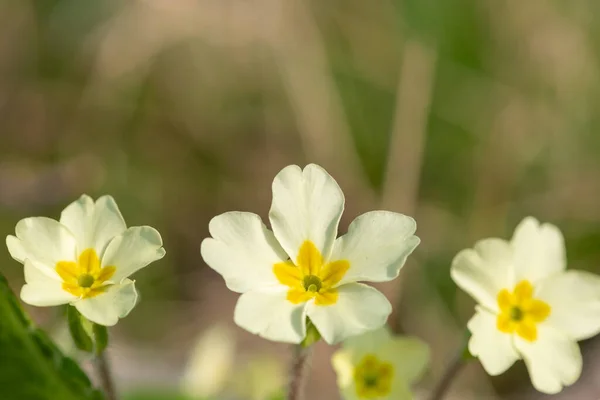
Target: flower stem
(456,365)
(106,381)
(297,370)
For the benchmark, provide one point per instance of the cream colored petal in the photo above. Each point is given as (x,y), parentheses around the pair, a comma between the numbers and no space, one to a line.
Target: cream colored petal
(495,349)
(42,240)
(271,316)
(376,246)
(42,290)
(574,300)
(243,251)
(484,271)
(539,250)
(106,308)
(307,205)
(553,360)
(131,251)
(358,309)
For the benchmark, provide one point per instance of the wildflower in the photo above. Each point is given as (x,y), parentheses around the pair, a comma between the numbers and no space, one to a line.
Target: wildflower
(377,365)
(529,306)
(85,259)
(300,269)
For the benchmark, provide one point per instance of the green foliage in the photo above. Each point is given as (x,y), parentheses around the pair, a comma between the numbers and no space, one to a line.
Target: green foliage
(312,334)
(31,366)
(100,337)
(82,340)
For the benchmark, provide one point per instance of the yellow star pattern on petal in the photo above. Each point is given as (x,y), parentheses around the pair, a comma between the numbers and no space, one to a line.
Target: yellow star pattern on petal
(520,312)
(373,377)
(84,278)
(309,278)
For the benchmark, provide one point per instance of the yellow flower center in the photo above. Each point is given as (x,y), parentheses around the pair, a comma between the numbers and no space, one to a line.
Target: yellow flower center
(309,278)
(520,312)
(373,377)
(84,278)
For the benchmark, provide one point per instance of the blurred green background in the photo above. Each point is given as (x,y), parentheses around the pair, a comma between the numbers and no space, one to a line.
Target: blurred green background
(465,114)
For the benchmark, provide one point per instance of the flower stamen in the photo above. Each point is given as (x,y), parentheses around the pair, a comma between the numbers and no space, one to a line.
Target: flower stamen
(85,280)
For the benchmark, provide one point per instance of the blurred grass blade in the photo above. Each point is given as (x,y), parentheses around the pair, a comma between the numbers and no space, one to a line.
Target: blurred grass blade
(31,366)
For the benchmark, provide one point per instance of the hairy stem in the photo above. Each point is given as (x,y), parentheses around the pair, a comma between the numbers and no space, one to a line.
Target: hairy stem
(297,371)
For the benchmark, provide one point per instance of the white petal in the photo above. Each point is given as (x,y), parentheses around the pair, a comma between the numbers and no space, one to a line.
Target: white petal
(494,349)
(539,250)
(107,308)
(42,240)
(359,308)
(15,248)
(79,217)
(553,360)
(400,391)
(107,223)
(343,364)
(368,342)
(271,316)
(94,225)
(484,270)
(242,250)
(376,245)
(42,290)
(137,247)
(410,357)
(307,205)
(574,299)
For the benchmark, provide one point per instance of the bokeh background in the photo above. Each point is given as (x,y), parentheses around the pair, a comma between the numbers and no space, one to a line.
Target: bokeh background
(465,114)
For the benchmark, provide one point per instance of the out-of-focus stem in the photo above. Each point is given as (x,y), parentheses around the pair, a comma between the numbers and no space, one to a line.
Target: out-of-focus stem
(456,365)
(297,372)
(105,376)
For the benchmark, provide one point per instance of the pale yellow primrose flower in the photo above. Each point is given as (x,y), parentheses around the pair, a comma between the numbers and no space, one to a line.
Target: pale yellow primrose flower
(530,307)
(301,269)
(84,259)
(379,366)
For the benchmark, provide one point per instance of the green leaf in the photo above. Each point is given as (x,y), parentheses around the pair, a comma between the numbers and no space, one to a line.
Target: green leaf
(31,366)
(82,340)
(100,337)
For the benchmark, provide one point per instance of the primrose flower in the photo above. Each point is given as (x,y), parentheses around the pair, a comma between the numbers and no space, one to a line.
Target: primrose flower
(85,259)
(300,269)
(377,365)
(529,307)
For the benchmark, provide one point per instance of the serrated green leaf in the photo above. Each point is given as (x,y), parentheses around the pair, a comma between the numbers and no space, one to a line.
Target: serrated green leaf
(31,366)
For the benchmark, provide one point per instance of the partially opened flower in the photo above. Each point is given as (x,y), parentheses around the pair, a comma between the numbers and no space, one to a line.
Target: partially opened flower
(85,259)
(530,307)
(300,269)
(377,365)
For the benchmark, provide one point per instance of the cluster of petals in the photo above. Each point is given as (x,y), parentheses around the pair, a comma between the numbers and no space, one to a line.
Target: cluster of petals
(377,365)
(84,259)
(299,270)
(529,306)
